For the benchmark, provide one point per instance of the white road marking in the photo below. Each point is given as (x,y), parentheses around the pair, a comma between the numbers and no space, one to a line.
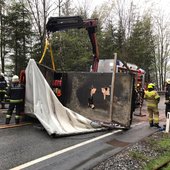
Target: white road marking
(137,124)
(62,151)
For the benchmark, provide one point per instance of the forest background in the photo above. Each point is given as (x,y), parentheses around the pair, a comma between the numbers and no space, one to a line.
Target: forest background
(137,32)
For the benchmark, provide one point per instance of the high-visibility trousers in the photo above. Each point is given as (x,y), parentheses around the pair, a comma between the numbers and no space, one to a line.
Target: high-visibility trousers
(153,114)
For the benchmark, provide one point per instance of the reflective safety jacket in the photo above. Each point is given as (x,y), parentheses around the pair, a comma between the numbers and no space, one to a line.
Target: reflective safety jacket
(16,92)
(152,98)
(3,85)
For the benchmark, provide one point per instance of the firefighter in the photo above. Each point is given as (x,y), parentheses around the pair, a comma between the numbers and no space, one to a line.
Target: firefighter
(152,99)
(3,86)
(16,92)
(167,97)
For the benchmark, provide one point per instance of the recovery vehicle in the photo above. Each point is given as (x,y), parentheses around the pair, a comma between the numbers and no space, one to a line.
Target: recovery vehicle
(62,23)
(89,93)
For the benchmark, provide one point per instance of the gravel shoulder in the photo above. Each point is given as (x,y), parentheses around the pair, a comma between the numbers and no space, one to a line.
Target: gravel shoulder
(137,155)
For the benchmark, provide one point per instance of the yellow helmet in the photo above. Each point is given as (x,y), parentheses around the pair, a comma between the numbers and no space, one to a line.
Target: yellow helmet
(151,86)
(168,81)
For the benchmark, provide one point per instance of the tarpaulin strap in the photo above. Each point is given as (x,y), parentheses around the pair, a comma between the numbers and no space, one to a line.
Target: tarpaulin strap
(51,53)
(22,77)
(45,49)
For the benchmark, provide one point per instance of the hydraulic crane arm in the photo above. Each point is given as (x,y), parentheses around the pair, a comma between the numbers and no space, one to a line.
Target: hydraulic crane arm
(62,23)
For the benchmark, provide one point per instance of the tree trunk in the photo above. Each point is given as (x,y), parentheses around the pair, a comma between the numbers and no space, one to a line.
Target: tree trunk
(1,48)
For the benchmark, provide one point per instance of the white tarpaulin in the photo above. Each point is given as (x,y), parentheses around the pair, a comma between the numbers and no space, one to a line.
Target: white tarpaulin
(41,101)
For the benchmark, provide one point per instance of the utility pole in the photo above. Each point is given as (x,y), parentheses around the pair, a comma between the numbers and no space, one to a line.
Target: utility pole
(112,87)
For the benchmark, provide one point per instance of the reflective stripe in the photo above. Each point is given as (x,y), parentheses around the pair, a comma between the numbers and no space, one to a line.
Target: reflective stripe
(17,117)
(151,104)
(150,119)
(16,88)
(4,91)
(16,101)
(157,97)
(8,116)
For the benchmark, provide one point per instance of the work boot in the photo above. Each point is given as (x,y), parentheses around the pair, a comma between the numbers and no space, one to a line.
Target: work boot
(157,125)
(16,121)
(8,117)
(3,106)
(7,120)
(151,124)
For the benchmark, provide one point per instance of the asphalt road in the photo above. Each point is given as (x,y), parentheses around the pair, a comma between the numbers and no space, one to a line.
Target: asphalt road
(23,144)
(20,146)
(87,156)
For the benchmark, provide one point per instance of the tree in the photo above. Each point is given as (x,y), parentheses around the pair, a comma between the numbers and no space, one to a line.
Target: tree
(76,50)
(66,8)
(2,35)
(162,49)
(141,44)
(104,30)
(108,43)
(39,12)
(124,17)
(19,38)
(72,48)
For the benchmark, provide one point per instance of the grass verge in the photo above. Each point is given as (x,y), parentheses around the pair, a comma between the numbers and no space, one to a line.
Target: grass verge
(163,161)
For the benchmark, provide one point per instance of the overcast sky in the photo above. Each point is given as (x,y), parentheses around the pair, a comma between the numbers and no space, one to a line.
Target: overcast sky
(157,4)
(90,4)
(142,5)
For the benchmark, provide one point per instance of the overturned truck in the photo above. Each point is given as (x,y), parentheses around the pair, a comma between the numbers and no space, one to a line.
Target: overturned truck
(86,96)
(89,93)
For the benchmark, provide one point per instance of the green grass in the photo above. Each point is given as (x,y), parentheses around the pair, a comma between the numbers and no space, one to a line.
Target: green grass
(164,146)
(165,143)
(137,155)
(167,168)
(153,164)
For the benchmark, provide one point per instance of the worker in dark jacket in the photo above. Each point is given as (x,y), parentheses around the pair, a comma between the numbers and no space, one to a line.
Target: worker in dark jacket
(3,86)
(167,97)
(16,92)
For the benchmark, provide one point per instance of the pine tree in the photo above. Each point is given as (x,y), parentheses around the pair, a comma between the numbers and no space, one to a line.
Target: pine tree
(141,44)
(19,39)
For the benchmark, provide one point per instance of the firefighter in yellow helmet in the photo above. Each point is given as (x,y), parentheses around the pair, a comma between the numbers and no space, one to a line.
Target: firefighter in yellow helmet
(152,99)
(16,92)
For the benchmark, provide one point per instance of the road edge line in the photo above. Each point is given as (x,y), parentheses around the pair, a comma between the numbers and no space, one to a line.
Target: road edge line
(43,158)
